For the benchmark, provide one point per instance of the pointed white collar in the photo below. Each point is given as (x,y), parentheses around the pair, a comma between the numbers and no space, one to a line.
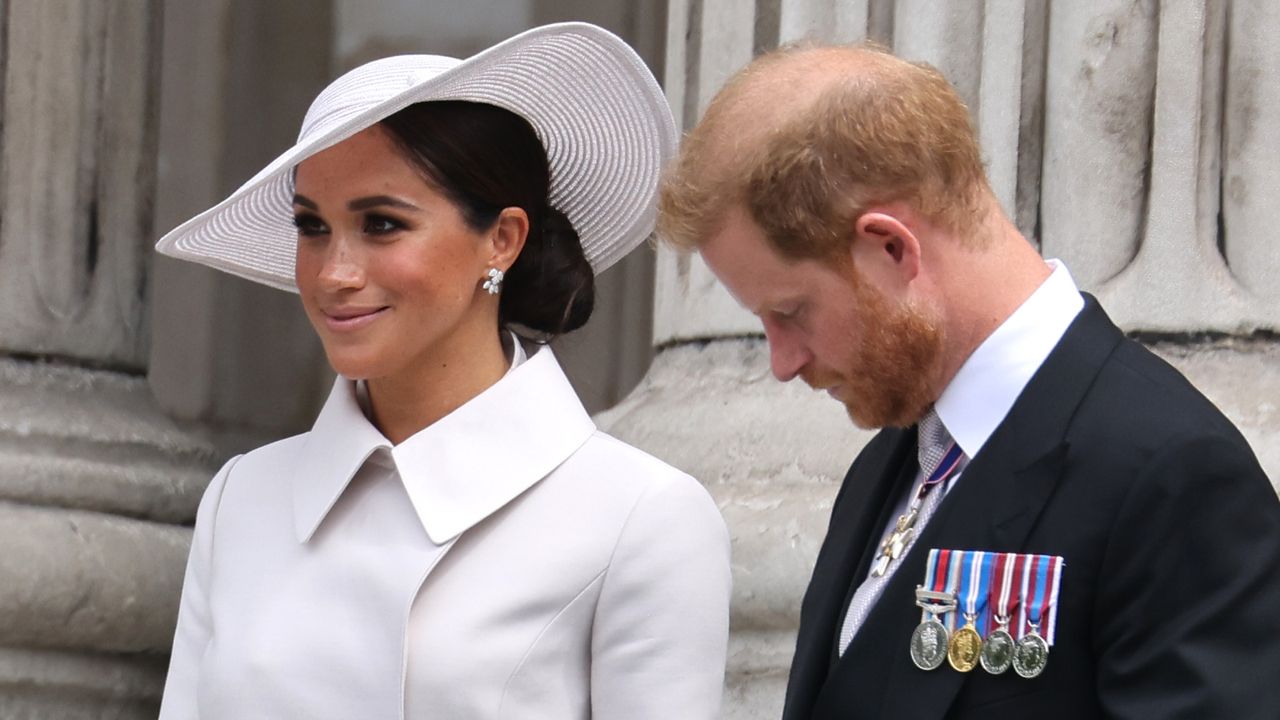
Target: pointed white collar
(983,392)
(462,468)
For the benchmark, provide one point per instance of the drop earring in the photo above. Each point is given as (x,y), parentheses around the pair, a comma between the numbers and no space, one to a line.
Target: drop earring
(494,283)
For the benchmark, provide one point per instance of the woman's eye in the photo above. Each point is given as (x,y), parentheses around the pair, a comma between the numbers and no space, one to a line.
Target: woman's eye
(309,225)
(381,225)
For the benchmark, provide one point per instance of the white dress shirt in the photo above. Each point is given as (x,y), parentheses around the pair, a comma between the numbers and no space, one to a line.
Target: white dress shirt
(977,400)
(981,394)
(509,561)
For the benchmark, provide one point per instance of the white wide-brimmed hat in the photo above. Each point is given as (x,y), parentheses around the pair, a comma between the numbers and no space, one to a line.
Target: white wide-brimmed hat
(599,112)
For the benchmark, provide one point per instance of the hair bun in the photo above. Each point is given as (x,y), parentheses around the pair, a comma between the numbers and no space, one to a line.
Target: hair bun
(551,287)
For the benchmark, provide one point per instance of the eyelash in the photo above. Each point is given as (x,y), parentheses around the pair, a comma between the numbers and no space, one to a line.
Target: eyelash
(791,317)
(309,225)
(392,225)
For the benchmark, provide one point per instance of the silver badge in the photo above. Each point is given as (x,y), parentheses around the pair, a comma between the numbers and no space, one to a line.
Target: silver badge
(1031,655)
(929,640)
(997,652)
(929,644)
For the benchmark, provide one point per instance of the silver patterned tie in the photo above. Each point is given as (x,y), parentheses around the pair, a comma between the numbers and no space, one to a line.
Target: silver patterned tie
(932,445)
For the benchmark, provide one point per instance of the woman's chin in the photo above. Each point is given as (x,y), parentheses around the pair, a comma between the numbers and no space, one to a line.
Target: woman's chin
(352,367)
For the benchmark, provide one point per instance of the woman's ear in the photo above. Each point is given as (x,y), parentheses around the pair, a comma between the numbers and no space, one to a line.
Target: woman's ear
(508,237)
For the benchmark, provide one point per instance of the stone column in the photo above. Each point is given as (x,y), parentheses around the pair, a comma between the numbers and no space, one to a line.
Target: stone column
(94,481)
(1130,139)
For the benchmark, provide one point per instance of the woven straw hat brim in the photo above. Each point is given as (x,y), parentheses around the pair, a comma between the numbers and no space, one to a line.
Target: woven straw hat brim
(604,121)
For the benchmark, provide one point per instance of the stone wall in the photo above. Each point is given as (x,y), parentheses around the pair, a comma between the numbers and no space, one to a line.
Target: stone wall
(95,482)
(1131,138)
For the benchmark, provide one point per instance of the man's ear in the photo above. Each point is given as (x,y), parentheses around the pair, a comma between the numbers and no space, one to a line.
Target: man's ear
(507,237)
(885,246)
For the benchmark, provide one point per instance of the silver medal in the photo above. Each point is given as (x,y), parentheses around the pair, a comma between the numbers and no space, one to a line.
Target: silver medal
(1031,655)
(929,644)
(997,652)
(929,639)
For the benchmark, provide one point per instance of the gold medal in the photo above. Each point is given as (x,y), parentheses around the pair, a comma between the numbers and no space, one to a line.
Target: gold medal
(965,647)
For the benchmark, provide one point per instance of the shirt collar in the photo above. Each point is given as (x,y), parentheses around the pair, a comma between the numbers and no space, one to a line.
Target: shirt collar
(984,390)
(460,469)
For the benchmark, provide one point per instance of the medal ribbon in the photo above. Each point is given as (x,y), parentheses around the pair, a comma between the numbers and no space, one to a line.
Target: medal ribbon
(1000,588)
(1020,587)
(966,590)
(948,465)
(954,577)
(1055,572)
(1043,579)
(978,588)
(935,574)
(1028,563)
(1040,591)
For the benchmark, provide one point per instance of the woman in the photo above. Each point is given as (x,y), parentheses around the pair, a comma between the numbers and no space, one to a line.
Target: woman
(453,538)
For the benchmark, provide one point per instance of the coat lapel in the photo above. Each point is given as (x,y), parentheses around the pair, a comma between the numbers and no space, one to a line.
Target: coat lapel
(994,506)
(865,499)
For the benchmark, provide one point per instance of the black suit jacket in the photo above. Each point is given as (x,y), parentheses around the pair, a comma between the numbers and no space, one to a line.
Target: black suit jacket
(1170,597)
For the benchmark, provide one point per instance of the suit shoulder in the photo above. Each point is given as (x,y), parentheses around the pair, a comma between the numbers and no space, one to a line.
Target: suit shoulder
(1141,409)
(1138,395)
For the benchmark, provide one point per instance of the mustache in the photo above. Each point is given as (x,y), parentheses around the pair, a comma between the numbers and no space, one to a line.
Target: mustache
(820,379)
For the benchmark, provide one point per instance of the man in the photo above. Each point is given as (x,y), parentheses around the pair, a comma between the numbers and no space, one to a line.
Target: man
(838,193)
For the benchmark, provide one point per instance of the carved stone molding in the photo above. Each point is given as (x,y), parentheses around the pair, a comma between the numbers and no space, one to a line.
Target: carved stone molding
(97,486)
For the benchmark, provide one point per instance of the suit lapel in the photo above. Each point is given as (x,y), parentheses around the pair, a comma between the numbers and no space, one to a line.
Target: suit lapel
(866,496)
(993,506)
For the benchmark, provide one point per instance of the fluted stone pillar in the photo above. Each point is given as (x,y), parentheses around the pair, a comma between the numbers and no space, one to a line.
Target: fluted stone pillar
(1131,139)
(95,482)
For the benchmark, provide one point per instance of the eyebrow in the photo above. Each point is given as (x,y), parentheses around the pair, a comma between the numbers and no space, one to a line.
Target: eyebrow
(364,203)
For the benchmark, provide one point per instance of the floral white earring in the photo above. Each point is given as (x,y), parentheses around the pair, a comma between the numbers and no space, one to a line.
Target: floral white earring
(494,283)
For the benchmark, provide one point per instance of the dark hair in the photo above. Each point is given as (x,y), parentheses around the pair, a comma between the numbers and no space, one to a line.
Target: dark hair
(485,159)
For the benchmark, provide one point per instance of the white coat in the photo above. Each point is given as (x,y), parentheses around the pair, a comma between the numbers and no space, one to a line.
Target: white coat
(509,561)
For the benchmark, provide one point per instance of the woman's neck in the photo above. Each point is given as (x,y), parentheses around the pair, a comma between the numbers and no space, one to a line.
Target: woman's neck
(404,404)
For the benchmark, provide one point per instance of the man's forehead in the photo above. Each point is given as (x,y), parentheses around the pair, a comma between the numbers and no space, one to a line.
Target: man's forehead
(753,272)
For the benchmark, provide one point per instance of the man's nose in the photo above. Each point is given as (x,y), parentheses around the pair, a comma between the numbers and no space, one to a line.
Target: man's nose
(787,356)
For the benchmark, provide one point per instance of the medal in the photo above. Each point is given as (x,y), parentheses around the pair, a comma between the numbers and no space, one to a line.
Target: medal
(929,644)
(965,645)
(997,650)
(1031,654)
(964,648)
(1005,604)
(929,640)
(1041,577)
(904,530)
